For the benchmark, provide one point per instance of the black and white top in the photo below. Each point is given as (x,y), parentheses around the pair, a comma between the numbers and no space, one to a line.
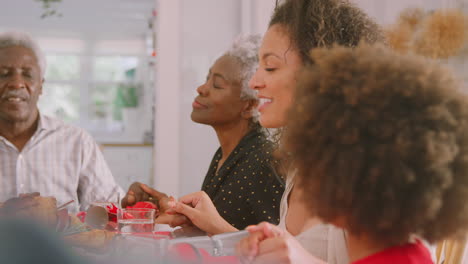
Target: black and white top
(246,190)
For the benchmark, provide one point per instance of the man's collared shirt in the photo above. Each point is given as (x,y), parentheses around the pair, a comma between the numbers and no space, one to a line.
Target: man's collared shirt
(59,160)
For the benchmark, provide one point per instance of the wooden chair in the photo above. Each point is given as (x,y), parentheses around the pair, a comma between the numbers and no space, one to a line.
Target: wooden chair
(452,252)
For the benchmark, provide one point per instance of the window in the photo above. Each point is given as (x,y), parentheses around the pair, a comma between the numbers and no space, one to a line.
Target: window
(61,101)
(61,94)
(92,84)
(114,87)
(115,68)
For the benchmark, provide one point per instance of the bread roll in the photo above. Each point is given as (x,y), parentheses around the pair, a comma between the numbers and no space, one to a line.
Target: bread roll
(46,211)
(94,239)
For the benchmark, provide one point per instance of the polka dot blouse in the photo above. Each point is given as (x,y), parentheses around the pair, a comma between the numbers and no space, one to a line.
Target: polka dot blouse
(246,189)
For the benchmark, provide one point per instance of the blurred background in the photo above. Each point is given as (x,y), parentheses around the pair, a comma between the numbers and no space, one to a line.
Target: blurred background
(127,70)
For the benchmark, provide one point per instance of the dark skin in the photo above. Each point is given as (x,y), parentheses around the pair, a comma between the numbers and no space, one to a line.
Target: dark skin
(20,88)
(139,192)
(218,104)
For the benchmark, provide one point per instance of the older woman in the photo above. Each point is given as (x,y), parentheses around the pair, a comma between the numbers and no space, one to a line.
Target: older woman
(241,181)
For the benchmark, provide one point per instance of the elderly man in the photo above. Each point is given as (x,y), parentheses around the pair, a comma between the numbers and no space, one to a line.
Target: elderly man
(39,153)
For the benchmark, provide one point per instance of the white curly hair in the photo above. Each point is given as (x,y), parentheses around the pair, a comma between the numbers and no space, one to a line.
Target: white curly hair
(245,50)
(18,38)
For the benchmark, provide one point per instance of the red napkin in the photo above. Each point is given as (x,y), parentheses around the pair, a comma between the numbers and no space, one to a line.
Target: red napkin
(81,215)
(112,213)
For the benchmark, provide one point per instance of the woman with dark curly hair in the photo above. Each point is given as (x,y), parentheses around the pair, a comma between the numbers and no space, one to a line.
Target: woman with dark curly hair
(296,27)
(380,144)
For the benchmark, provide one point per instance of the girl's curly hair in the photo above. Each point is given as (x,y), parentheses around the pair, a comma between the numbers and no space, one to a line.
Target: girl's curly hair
(322,23)
(380,140)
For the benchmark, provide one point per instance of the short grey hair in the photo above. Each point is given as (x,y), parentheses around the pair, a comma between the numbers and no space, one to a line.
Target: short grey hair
(245,51)
(17,38)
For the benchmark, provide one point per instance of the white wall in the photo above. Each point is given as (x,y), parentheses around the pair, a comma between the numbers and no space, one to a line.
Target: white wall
(208,29)
(261,13)
(167,93)
(129,163)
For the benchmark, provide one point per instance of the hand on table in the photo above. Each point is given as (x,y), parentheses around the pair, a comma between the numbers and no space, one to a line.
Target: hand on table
(19,204)
(202,213)
(270,244)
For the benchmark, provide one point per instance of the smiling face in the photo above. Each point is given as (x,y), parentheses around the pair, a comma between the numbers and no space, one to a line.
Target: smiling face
(219,101)
(275,78)
(20,85)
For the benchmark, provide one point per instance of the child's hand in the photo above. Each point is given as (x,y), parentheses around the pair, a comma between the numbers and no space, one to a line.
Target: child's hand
(248,248)
(270,244)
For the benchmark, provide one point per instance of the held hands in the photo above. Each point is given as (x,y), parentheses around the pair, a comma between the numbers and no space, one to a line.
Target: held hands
(270,244)
(195,209)
(168,216)
(139,192)
(202,213)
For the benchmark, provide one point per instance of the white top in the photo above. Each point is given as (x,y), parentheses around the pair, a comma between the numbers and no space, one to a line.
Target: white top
(59,160)
(323,241)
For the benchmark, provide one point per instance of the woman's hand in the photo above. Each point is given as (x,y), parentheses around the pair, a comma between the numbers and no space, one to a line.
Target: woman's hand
(168,216)
(270,244)
(200,210)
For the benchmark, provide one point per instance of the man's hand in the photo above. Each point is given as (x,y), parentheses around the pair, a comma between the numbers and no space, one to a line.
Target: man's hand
(139,192)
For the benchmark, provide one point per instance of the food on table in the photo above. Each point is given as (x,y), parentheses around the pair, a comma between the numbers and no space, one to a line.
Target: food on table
(94,239)
(42,209)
